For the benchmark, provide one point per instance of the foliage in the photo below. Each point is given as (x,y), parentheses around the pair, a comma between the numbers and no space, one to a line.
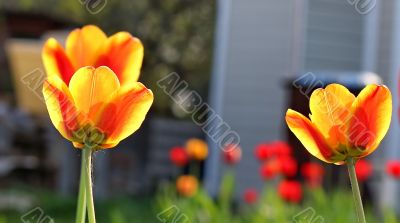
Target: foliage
(62,209)
(318,206)
(177,35)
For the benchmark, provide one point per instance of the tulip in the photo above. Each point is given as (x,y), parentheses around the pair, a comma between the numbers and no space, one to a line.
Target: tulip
(313,173)
(270,169)
(89,46)
(290,191)
(178,156)
(232,154)
(93,97)
(91,91)
(187,185)
(343,128)
(94,109)
(263,151)
(281,149)
(363,170)
(250,196)
(197,149)
(393,168)
(288,166)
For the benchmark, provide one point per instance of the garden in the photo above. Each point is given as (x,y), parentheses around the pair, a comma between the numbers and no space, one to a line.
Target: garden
(180,111)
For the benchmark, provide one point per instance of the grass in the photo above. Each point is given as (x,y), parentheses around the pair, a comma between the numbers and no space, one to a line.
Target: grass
(62,209)
(318,206)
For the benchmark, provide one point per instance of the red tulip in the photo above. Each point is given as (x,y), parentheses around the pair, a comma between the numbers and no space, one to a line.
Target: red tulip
(232,154)
(393,168)
(250,195)
(363,170)
(313,173)
(270,169)
(290,191)
(178,156)
(288,166)
(281,149)
(263,151)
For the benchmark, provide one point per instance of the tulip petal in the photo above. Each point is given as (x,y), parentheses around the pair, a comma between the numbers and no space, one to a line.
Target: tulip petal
(311,138)
(124,113)
(330,112)
(61,108)
(372,111)
(91,88)
(83,45)
(124,55)
(56,61)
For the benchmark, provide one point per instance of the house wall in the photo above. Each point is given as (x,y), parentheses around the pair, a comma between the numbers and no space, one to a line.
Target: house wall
(257,60)
(388,66)
(385,37)
(269,41)
(334,36)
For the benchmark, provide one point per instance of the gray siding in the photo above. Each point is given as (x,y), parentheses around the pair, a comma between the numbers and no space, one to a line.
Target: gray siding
(259,57)
(387,65)
(334,36)
(385,38)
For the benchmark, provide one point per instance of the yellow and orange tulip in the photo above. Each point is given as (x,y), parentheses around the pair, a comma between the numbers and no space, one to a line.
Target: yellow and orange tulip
(187,185)
(89,46)
(197,149)
(343,126)
(91,92)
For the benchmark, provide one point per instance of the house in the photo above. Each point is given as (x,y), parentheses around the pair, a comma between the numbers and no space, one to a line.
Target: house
(262,44)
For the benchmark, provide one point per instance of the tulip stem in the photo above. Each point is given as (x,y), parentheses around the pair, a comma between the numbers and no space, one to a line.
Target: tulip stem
(81,210)
(87,153)
(356,190)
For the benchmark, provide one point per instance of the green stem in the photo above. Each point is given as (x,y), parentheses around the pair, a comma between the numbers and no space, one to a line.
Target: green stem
(356,190)
(81,211)
(87,153)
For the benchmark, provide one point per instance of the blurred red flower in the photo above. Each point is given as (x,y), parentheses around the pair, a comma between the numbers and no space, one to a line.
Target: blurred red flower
(270,169)
(290,191)
(232,154)
(250,195)
(313,173)
(393,168)
(281,149)
(288,166)
(364,170)
(178,156)
(263,151)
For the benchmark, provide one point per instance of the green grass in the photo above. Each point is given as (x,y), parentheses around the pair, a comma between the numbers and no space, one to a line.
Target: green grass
(62,209)
(318,207)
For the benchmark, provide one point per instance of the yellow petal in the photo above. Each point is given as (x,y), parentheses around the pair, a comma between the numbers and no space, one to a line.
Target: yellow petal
(331,111)
(124,114)
(61,108)
(91,88)
(55,61)
(78,145)
(371,120)
(311,137)
(124,55)
(83,45)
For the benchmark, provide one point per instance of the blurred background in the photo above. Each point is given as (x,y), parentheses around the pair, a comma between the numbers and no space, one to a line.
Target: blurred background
(249,61)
